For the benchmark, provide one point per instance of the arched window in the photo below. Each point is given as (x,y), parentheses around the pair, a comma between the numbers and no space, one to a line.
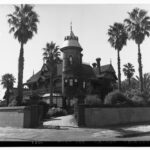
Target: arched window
(70,60)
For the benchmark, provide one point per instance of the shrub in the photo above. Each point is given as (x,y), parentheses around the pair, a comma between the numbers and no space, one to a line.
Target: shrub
(92,100)
(116,98)
(13,103)
(56,112)
(137,97)
(138,100)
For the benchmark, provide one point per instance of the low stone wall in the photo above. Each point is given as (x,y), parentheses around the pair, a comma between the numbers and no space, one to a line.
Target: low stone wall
(108,116)
(21,117)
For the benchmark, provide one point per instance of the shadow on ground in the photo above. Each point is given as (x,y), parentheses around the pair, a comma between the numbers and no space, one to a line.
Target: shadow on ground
(124,133)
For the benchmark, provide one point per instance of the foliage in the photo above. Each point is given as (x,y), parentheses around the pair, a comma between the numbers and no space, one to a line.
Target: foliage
(138,97)
(129,71)
(92,100)
(117,39)
(116,98)
(56,112)
(117,36)
(12,103)
(138,27)
(134,84)
(23,22)
(51,55)
(8,81)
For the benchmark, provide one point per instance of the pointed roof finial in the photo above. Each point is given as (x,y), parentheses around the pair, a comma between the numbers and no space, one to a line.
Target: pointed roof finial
(71,26)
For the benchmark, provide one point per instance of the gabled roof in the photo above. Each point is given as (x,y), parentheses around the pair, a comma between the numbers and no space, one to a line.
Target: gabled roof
(107,71)
(104,68)
(87,71)
(34,78)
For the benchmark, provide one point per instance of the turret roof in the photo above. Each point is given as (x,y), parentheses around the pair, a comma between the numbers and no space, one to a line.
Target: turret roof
(71,40)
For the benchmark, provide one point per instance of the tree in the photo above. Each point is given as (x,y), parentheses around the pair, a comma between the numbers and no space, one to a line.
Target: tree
(51,55)
(146,81)
(117,39)
(129,72)
(8,81)
(138,27)
(23,23)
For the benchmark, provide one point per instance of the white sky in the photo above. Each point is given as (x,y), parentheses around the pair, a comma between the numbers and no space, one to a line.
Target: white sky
(90,24)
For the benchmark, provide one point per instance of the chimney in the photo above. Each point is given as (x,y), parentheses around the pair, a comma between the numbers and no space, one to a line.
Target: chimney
(94,65)
(98,64)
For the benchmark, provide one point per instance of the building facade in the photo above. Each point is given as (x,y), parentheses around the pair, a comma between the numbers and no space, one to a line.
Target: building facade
(72,78)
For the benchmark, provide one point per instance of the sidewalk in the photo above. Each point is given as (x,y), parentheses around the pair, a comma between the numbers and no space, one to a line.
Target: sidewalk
(70,132)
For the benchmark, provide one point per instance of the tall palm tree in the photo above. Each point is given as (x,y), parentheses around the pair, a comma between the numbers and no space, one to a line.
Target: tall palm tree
(117,39)
(8,81)
(51,56)
(23,22)
(138,27)
(128,71)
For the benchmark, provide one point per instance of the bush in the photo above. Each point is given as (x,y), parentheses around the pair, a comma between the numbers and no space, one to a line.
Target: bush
(92,100)
(138,100)
(56,112)
(13,103)
(117,98)
(137,97)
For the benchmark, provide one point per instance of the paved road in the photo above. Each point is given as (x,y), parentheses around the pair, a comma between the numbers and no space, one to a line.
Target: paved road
(70,132)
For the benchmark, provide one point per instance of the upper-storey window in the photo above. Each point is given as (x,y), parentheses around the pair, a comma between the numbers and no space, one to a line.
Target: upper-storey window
(70,60)
(71,82)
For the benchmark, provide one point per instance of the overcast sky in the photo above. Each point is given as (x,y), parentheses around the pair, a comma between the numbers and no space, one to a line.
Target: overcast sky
(89,22)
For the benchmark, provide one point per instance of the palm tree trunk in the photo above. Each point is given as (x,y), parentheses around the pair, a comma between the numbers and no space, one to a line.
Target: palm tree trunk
(51,88)
(20,76)
(140,68)
(129,80)
(119,73)
(7,98)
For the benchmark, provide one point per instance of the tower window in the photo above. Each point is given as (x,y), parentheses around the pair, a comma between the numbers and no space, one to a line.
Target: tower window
(71,82)
(75,80)
(66,80)
(70,60)
(84,84)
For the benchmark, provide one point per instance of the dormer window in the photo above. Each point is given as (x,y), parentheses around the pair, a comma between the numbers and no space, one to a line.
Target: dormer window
(70,60)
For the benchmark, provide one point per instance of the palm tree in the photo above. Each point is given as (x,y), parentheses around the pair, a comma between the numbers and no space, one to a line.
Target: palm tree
(117,39)
(128,71)
(51,56)
(23,22)
(138,27)
(8,81)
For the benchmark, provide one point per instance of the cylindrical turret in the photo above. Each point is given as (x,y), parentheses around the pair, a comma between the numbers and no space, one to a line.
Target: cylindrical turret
(72,63)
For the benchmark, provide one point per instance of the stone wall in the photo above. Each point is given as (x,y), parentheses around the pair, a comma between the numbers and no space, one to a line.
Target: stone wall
(101,117)
(109,116)
(21,117)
